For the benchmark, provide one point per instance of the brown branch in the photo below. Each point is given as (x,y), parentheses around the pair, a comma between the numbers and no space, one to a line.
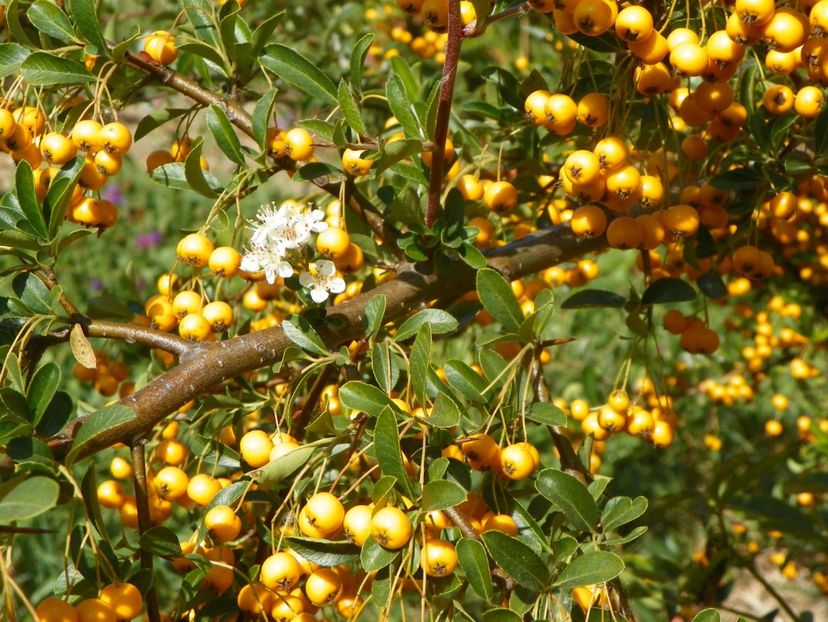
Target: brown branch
(193,90)
(132,333)
(139,468)
(455,40)
(212,363)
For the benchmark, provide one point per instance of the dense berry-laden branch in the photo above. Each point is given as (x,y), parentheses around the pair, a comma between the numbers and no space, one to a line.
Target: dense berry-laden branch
(455,40)
(207,364)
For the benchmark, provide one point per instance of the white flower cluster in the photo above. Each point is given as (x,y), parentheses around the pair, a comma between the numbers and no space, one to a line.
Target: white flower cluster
(278,235)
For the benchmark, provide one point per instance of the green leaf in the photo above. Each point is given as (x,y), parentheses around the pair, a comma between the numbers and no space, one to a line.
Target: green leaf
(298,71)
(633,535)
(570,496)
(518,560)
(193,172)
(397,150)
(60,192)
(173,175)
(358,53)
(373,557)
(315,170)
(387,449)
(711,285)
(49,19)
(24,188)
(200,16)
(32,293)
(737,179)
(441,322)
(622,510)
(373,315)
(401,106)
(471,555)
(27,497)
(42,389)
(589,569)
(44,69)
(441,494)
(707,615)
(119,51)
(223,133)
(500,614)
(350,109)
(363,397)
(98,423)
(499,300)
(85,17)
(546,413)
(157,119)
(419,362)
(12,56)
(668,290)
(445,413)
(466,380)
(285,465)
(593,298)
(261,117)
(324,552)
(160,541)
(300,332)
(386,371)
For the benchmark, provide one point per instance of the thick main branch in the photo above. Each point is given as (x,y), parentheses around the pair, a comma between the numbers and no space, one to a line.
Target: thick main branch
(210,364)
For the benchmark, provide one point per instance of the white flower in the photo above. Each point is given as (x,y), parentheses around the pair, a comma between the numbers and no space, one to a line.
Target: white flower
(322,280)
(288,226)
(266,259)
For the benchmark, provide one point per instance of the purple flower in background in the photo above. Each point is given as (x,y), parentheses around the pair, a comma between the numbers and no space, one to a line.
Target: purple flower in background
(148,240)
(95,284)
(112,192)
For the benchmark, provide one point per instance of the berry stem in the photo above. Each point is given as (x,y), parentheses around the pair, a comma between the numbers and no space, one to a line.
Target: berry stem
(455,40)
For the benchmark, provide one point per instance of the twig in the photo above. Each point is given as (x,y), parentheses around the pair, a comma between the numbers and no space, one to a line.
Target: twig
(455,40)
(475,29)
(300,421)
(771,590)
(139,468)
(132,333)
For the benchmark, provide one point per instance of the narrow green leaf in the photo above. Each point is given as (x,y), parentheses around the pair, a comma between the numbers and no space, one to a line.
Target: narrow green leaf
(387,449)
(707,615)
(589,569)
(383,366)
(499,300)
(374,313)
(518,560)
(203,50)
(60,192)
(593,298)
(27,498)
(711,285)
(49,19)
(300,332)
(737,179)
(500,614)
(546,413)
(373,557)
(31,291)
(350,109)
(668,289)
(632,535)
(98,423)
(324,552)
(42,389)
(622,510)
(363,397)
(44,69)
(471,555)
(263,33)
(27,198)
(224,135)
(160,541)
(445,413)
(570,496)
(85,17)
(821,133)
(401,106)
(156,119)
(441,494)
(12,56)
(315,170)
(298,71)
(420,361)
(358,53)
(200,15)
(261,117)
(277,470)
(465,379)
(441,322)
(396,151)
(194,174)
